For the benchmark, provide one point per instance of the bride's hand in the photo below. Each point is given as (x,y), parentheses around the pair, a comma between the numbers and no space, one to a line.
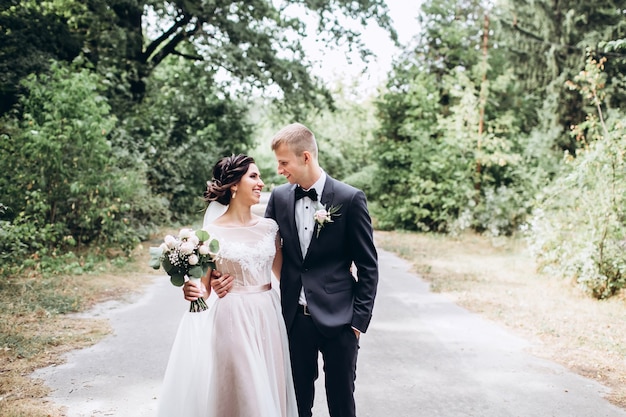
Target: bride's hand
(221,284)
(192,291)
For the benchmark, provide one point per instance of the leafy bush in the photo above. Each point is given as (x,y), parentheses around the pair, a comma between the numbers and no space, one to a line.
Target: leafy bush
(579,228)
(63,189)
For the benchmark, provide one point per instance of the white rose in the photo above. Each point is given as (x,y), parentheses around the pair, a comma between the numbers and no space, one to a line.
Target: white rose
(164,248)
(193,260)
(203,250)
(170,241)
(185,233)
(186,248)
(194,239)
(321,216)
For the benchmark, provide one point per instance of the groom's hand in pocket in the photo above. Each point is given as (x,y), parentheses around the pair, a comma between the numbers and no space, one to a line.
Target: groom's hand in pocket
(221,283)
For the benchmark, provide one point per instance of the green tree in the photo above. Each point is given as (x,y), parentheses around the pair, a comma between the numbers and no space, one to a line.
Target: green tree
(419,180)
(181,128)
(406,139)
(64,188)
(30,36)
(451,35)
(257,43)
(231,49)
(453,151)
(547,43)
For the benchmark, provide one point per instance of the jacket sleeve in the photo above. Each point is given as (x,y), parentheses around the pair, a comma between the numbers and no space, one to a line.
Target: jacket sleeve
(365,257)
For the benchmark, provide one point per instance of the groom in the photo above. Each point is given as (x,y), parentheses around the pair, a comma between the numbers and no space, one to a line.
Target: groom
(324,307)
(326,228)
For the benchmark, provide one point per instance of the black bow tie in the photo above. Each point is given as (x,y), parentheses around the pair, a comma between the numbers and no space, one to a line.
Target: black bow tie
(312,194)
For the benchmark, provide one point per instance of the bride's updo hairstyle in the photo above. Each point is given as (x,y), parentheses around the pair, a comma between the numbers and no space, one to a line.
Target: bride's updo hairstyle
(227,172)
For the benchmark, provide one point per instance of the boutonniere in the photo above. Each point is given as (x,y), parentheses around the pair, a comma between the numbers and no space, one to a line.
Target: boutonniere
(323,216)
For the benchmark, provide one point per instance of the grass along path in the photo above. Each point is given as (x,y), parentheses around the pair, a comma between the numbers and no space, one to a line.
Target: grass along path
(37,327)
(497,279)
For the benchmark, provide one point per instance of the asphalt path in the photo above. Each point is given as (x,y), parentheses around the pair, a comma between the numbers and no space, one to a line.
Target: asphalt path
(422,356)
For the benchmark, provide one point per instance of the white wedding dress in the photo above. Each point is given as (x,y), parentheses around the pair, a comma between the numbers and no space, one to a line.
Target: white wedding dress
(232,360)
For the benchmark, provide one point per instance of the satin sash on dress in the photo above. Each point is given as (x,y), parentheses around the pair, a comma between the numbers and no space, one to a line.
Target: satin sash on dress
(248,289)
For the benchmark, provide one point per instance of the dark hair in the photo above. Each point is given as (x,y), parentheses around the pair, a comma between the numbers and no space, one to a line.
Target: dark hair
(227,172)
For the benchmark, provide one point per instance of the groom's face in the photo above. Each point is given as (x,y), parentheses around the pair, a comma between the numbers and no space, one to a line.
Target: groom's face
(291,166)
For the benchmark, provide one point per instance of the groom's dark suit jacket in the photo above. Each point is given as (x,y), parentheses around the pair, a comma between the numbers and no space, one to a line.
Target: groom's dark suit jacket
(335,299)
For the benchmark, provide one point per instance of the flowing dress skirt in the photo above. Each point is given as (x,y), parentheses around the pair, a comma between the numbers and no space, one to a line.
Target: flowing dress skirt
(231,361)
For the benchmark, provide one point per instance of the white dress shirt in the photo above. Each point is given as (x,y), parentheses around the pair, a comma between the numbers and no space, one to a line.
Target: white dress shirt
(305,223)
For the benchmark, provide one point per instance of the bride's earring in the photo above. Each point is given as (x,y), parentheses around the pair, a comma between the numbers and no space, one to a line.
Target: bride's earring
(234,194)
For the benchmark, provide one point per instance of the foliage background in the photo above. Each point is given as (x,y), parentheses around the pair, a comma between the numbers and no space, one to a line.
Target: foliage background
(114,111)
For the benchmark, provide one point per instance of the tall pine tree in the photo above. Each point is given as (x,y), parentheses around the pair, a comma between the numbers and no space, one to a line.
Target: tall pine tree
(548,42)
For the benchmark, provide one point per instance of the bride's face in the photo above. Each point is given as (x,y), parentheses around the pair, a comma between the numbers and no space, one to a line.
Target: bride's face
(250,185)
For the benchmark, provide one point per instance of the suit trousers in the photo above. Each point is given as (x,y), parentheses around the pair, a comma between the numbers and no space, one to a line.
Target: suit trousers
(339,354)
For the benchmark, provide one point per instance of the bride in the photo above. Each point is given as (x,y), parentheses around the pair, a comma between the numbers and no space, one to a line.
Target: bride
(233,359)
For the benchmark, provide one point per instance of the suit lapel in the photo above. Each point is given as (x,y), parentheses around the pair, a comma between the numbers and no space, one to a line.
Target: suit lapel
(328,193)
(326,200)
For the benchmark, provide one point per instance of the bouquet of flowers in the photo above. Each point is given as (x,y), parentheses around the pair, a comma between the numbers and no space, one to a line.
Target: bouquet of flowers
(190,254)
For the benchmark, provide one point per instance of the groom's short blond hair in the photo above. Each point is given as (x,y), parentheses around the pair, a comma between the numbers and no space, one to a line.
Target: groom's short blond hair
(297,137)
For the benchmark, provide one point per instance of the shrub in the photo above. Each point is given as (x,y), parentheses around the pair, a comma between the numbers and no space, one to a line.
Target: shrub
(579,228)
(63,189)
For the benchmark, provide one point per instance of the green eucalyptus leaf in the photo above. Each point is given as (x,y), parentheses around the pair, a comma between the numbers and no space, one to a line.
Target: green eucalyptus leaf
(195,272)
(155,257)
(167,265)
(177,280)
(214,246)
(203,235)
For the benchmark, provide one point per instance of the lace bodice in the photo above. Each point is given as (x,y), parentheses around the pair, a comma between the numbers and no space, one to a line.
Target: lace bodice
(246,253)
(233,359)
